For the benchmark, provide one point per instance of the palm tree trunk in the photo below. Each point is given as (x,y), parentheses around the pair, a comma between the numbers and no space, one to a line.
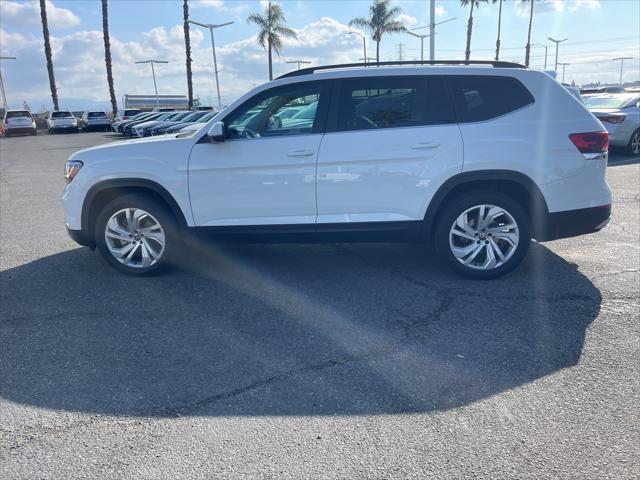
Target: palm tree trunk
(270,61)
(107,55)
(528,51)
(499,25)
(48,55)
(377,51)
(467,52)
(187,51)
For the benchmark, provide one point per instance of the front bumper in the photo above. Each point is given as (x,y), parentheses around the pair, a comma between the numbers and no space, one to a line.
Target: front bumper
(572,223)
(80,238)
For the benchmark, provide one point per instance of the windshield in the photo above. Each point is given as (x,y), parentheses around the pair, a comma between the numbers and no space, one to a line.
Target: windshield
(129,113)
(613,101)
(19,114)
(61,114)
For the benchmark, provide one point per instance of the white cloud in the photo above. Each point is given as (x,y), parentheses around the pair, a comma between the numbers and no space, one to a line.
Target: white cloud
(523,7)
(27,14)
(440,11)
(407,20)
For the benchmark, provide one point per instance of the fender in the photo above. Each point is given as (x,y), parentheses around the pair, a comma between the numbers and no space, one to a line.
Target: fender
(538,207)
(129,182)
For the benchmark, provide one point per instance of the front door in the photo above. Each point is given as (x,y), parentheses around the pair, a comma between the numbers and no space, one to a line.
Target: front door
(264,173)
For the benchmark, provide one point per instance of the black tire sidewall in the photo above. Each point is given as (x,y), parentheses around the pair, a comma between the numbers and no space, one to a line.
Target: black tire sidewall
(471,199)
(159,212)
(630,145)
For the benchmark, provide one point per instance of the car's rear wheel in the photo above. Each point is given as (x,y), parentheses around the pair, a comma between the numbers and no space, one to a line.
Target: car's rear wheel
(483,234)
(634,143)
(136,235)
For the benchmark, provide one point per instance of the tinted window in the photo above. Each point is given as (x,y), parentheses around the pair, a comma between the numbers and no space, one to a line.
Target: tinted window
(97,115)
(483,98)
(373,103)
(61,114)
(16,114)
(260,117)
(131,112)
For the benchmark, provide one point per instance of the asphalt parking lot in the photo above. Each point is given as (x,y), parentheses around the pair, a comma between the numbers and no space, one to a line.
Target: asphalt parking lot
(307,361)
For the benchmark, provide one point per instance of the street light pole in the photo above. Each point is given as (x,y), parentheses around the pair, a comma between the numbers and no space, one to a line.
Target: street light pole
(557,42)
(153,72)
(622,59)
(421,37)
(212,27)
(432,30)
(298,62)
(545,52)
(4,95)
(563,67)
(364,43)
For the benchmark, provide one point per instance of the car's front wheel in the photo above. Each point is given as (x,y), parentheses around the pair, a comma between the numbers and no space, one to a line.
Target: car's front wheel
(136,235)
(634,143)
(483,234)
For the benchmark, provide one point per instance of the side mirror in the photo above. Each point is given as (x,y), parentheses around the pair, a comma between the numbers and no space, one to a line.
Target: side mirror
(216,132)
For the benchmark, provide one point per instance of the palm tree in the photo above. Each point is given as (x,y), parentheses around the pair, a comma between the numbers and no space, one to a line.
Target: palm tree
(499,25)
(47,54)
(382,19)
(272,29)
(528,50)
(473,4)
(187,50)
(107,55)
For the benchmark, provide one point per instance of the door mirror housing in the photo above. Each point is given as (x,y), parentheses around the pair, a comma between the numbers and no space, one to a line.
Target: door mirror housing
(216,132)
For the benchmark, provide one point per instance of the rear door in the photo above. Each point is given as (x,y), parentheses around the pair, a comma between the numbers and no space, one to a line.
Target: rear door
(390,143)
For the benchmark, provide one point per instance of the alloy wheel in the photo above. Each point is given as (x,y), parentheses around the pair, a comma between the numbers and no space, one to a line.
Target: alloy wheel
(484,237)
(635,143)
(135,238)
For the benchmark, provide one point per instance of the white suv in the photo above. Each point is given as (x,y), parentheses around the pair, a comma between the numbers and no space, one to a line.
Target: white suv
(62,120)
(477,159)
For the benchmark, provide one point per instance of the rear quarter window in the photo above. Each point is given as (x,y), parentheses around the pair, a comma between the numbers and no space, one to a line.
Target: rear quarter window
(479,98)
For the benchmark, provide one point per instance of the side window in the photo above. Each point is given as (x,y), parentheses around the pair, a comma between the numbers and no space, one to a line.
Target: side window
(484,98)
(291,110)
(392,102)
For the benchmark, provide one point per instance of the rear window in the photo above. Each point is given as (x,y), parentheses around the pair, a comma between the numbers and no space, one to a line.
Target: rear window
(97,115)
(392,102)
(130,112)
(484,98)
(61,114)
(614,101)
(19,114)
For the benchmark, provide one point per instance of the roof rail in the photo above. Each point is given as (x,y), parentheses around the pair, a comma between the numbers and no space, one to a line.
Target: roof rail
(495,64)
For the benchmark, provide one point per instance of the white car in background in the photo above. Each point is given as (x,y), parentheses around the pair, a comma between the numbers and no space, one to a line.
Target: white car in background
(18,121)
(62,120)
(620,114)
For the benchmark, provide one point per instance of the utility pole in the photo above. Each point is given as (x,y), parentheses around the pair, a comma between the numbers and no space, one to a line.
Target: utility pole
(153,72)
(212,27)
(364,43)
(432,30)
(622,59)
(563,67)
(545,51)
(4,95)
(298,62)
(421,37)
(557,42)
(400,46)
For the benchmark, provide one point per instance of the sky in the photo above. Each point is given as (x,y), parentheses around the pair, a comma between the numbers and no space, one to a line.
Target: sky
(597,31)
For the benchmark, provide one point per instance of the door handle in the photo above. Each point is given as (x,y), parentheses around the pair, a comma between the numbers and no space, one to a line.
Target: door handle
(425,145)
(301,153)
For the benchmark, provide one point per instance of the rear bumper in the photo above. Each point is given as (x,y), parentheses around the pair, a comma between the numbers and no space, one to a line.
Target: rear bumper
(19,130)
(572,223)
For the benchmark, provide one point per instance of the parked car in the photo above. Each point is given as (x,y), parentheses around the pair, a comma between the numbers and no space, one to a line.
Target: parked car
(197,125)
(187,119)
(478,162)
(115,126)
(127,129)
(62,120)
(144,129)
(620,114)
(126,114)
(94,120)
(17,122)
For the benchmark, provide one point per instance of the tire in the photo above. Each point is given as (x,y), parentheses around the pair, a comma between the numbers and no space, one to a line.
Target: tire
(633,147)
(148,244)
(477,250)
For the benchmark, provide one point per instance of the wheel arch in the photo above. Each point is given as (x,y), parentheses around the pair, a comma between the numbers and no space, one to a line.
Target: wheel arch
(514,183)
(103,192)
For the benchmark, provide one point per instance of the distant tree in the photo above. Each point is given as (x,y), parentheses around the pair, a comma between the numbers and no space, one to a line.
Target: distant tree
(187,50)
(48,55)
(499,25)
(107,55)
(382,19)
(473,4)
(272,25)
(528,49)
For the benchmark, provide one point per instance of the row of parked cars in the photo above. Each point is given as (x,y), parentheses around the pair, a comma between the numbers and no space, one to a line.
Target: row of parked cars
(146,124)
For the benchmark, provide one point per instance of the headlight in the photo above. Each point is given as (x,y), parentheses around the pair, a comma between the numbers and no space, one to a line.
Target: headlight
(71,169)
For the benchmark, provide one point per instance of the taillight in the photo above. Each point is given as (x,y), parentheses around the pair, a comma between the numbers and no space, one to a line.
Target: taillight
(593,142)
(611,118)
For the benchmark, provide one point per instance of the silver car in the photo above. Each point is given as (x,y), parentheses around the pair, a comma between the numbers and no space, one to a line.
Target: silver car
(620,114)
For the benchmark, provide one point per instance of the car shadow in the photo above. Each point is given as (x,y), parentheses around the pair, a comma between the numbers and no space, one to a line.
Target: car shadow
(285,330)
